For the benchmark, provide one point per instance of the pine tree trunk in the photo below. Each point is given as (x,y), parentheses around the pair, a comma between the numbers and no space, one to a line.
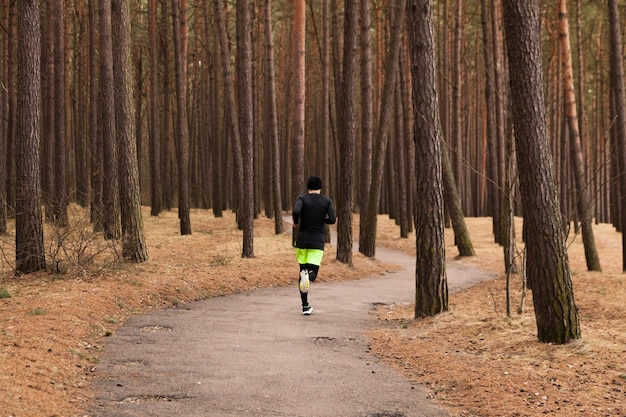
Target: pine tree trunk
(110,194)
(11,71)
(60,199)
(48,109)
(453,203)
(326,132)
(166,130)
(230,106)
(346,132)
(4,15)
(431,286)
(296,132)
(133,240)
(369,217)
(617,84)
(367,118)
(95,136)
(29,246)
(179,22)
(583,202)
(547,263)
(244,88)
(272,119)
(154,119)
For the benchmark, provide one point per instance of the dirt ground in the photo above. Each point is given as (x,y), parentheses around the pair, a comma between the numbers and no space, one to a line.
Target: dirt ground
(475,360)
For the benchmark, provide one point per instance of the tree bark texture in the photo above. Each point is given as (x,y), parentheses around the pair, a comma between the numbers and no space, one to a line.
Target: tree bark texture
(230,104)
(95,134)
(3,126)
(452,200)
(10,65)
(347,133)
(29,246)
(166,131)
(179,21)
(154,119)
(272,119)
(547,263)
(133,241)
(60,199)
(583,202)
(110,194)
(47,108)
(298,91)
(367,112)
(431,286)
(367,236)
(617,84)
(244,88)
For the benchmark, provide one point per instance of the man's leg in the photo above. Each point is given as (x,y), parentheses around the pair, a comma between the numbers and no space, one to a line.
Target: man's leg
(303,294)
(314,260)
(313,270)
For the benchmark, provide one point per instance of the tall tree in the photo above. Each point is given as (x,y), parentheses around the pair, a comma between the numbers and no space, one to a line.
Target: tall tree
(431,285)
(367,112)
(617,86)
(47,107)
(179,23)
(79,105)
(230,104)
(3,130)
(583,202)
(29,247)
(244,87)
(165,81)
(154,119)
(494,92)
(9,79)
(326,143)
(455,210)
(213,115)
(133,240)
(110,184)
(456,122)
(298,93)
(451,165)
(272,120)
(547,262)
(95,135)
(346,117)
(60,199)
(367,236)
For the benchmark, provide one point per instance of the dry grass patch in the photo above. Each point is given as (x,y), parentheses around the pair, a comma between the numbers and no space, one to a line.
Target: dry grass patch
(474,360)
(53,325)
(478,362)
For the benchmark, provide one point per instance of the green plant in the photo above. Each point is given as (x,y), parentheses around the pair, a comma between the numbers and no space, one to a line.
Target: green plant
(37,312)
(4,293)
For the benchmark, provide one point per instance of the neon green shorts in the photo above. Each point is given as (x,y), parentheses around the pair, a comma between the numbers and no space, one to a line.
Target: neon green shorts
(309,256)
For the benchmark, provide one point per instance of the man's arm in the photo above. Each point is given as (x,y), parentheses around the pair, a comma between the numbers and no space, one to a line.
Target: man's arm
(331,218)
(297,209)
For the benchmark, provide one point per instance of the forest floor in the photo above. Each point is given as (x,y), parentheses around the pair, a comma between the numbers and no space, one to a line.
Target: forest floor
(474,360)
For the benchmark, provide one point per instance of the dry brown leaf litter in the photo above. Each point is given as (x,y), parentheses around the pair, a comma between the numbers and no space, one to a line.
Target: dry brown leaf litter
(473,360)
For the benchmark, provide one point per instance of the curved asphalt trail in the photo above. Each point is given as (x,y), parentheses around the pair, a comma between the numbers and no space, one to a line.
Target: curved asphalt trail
(254,354)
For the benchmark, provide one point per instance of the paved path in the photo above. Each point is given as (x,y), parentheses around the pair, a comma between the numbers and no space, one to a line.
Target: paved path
(254,354)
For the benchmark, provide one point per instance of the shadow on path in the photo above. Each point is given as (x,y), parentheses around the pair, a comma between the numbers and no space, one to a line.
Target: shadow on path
(255,354)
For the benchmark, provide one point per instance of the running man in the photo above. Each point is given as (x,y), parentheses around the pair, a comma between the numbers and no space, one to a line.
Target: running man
(311,212)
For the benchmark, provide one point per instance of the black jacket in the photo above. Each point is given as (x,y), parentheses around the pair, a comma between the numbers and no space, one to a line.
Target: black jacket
(311,212)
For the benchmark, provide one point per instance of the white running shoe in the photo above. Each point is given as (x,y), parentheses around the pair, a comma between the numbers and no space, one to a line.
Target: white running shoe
(304,281)
(307,310)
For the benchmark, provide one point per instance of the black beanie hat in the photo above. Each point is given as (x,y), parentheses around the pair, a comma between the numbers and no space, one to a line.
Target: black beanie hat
(314,183)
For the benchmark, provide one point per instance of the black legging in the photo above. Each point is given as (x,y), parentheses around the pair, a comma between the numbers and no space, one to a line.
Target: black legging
(313,269)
